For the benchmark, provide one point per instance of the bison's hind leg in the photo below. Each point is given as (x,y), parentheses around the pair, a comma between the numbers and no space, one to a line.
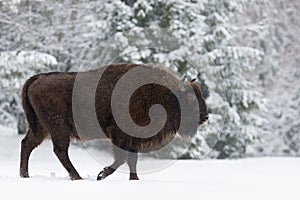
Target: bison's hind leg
(60,147)
(29,142)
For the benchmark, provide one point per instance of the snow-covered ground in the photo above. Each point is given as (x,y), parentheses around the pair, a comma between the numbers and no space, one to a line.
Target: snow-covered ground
(255,178)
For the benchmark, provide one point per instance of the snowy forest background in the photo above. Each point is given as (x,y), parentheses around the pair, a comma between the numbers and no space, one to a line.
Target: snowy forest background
(245,53)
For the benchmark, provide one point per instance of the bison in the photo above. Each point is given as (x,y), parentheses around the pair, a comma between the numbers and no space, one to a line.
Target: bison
(48,103)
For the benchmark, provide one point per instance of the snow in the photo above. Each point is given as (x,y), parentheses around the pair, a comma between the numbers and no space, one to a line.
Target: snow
(252,178)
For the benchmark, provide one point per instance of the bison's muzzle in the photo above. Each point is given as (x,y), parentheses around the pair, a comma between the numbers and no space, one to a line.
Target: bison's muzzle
(203,118)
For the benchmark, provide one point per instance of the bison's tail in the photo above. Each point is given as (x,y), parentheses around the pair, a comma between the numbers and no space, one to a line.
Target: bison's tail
(28,109)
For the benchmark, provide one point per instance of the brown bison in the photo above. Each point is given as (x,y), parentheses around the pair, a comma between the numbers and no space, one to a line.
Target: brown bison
(49,101)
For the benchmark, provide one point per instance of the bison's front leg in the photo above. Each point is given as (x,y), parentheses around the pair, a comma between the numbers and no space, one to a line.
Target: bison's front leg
(132,161)
(120,157)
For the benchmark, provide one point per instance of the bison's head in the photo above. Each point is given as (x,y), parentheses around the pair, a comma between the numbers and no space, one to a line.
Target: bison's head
(203,117)
(194,97)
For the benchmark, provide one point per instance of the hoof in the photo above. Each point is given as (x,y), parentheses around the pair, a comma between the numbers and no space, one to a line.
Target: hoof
(24,175)
(105,173)
(133,178)
(100,176)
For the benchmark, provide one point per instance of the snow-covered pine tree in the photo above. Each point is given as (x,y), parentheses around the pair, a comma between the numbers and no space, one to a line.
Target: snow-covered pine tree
(279,73)
(65,29)
(234,102)
(155,31)
(291,125)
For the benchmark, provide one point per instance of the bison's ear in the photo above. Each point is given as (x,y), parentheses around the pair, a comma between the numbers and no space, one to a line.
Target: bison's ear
(193,80)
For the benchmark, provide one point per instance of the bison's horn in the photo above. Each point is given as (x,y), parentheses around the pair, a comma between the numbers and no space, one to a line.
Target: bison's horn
(199,75)
(183,79)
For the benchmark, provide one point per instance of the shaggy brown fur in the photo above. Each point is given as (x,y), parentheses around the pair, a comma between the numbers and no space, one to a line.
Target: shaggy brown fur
(47,102)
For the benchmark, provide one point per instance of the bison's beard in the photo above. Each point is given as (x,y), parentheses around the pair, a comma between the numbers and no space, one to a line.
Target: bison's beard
(188,134)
